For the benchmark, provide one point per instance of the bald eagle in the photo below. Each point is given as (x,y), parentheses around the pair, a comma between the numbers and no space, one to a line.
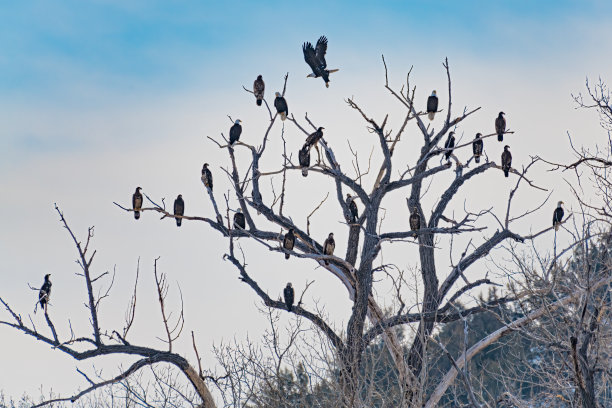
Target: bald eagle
(239,220)
(558,215)
(314,137)
(281,106)
(449,144)
(207,177)
(315,58)
(506,160)
(289,296)
(289,241)
(500,126)
(304,158)
(137,202)
(235,132)
(329,245)
(432,105)
(259,87)
(44,293)
(350,202)
(415,221)
(477,146)
(179,209)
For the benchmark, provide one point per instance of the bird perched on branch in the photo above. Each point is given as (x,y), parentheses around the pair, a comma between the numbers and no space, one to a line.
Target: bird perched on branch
(432,105)
(315,58)
(259,87)
(289,296)
(477,146)
(304,158)
(280,103)
(506,160)
(350,203)
(235,132)
(289,241)
(500,126)
(415,220)
(558,215)
(179,209)
(137,202)
(329,245)
(449,144)
(314,137)
(207,177)
(239,220)
(44,294)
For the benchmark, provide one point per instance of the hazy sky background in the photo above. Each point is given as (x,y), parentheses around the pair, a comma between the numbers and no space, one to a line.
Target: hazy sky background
(98,98)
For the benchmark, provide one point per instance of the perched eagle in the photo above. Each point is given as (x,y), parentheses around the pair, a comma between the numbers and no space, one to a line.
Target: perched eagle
(329,245)
(500,126)
(350,202)
(304,158)
(477,146)
(314,137)
(207,177)
(415,221)
(235,132)
(239,220)
(259,88)
(179,209)
(44,294)
(315,58)
(506,160)
(432,105)
(289,241)
(558,215)
(137,202)
(449,144)
(280,104)
(289,296)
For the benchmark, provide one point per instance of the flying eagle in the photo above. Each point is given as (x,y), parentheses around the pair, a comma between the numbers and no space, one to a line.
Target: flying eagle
(449,144)
(506,160)
(329,245)
(207,177)
(289,241)
(558,215)
(500,126)
(350,202)
(315,58)
(179,209)
(304,158)
(280,104)
(137,202)
(314,137)
(477,146)
(289,296)
(432,105)
(259,87)
(239,220)
(44,294)
(235,132)
(415,221)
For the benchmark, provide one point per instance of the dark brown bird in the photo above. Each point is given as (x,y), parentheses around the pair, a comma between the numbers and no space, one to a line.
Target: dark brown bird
(500,126)
(289,296)
(558,215)
(506,159)
(477,146)
(235,132)
(415,221)
(259,87)
(449,144)
(350,202)
(179,209)
(329,245)
(207,177)
(432,105)
(44,294)
(239,220)
(280,103)
(289,241)
(314,137)
(137,202)
(315,58)
(304,158)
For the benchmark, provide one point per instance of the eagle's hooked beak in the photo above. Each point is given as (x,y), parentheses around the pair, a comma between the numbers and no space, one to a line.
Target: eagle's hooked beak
(310,76)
